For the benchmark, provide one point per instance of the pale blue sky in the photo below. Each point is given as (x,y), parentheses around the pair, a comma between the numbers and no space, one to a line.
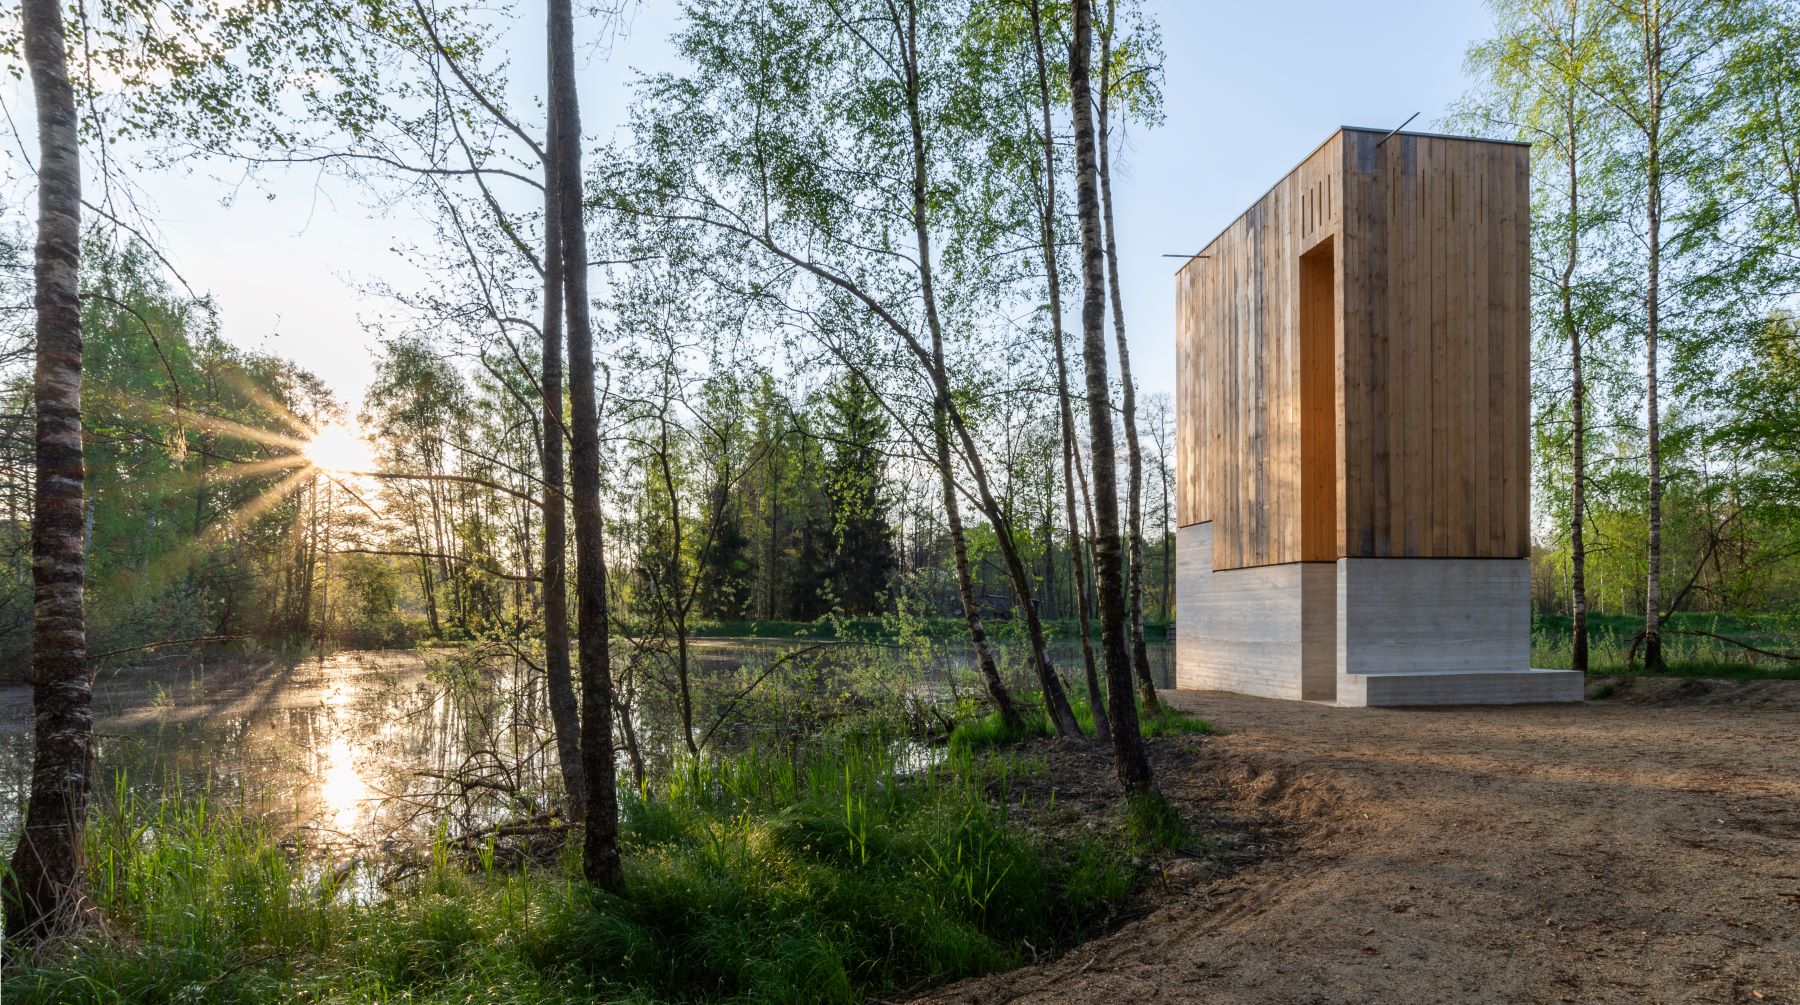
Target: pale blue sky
(1250,89)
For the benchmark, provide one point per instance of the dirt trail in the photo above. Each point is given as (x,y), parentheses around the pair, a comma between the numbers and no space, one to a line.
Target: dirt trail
(1644,848)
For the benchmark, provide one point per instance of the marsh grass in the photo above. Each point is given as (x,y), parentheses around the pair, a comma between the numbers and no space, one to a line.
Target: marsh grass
(1609,645)
(831,872)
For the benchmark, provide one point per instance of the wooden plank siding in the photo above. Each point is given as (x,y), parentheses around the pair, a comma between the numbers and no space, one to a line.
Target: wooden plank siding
(1425,242)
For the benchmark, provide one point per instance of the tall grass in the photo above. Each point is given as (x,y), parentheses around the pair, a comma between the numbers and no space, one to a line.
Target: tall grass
(1686,655)
(831,872)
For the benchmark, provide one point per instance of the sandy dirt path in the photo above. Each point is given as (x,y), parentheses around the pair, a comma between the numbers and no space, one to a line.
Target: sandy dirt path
(1645,848)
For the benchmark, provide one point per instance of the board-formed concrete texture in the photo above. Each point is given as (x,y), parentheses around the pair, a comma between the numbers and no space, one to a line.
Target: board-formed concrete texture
(1352,393)
(1440,631)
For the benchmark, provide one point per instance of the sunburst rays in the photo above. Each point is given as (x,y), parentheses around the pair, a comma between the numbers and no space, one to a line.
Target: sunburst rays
(300,453)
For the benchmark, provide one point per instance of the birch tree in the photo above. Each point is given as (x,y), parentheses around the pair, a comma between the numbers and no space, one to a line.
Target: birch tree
(1128,746)
(45,887)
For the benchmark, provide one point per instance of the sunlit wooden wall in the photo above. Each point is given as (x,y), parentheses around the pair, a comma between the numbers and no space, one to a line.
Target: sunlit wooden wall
(1393,421)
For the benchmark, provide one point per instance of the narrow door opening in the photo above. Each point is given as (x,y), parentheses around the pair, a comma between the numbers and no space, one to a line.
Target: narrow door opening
(1318,474)
(1318,406)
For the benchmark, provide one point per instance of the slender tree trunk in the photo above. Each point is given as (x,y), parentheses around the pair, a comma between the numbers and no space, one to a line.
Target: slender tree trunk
(965,580)
(1128,745)
(426,582)
(1087,513)
(633,750)
(1049,584)
(675,594)
(1056,701)
(1653,657)
(1134,456)
(565,712)
(1083,611)
(600,845)
(1065,410)
(325,580)
(1578,653)
(45,888)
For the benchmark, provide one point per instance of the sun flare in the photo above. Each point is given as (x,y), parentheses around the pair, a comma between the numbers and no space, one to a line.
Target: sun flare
(337,447)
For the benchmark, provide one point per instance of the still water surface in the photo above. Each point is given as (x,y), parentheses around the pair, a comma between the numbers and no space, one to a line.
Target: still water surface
(360,753)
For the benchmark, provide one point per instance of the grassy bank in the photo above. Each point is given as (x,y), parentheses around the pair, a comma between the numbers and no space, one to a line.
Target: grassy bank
(857,868)
(1687,653)
(988,731)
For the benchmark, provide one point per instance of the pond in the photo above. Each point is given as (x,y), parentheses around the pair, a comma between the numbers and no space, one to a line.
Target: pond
(367,757)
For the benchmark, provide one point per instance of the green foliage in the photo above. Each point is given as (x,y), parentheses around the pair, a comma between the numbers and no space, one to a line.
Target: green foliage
(191,466)
(1692,127)
(863,553)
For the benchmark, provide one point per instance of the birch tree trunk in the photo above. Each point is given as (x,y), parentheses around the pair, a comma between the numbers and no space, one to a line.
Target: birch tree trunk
(1578,653)
(565,712)
(1128,746)
(965,581)
(1134,457)
(46,884)
(1056,700)
(1065,410)
(600,844)
(1652,39)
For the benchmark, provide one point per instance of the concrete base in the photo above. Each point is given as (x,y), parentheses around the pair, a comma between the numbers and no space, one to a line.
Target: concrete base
(1360,631)
(1267,631)
(1462,687)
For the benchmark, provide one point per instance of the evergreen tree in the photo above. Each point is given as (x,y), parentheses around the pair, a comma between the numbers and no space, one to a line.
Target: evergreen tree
(728,563)
(807,582)
(863,553)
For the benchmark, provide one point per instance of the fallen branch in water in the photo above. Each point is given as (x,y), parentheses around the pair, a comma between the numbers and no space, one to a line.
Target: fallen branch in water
(1742,645)
(731,706)
(170,642)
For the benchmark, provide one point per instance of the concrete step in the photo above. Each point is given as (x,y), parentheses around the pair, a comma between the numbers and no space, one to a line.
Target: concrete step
(1461,687)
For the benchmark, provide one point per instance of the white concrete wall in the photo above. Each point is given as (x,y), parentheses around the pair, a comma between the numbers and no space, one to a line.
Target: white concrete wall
(1267,630)
(1430,615)
(1360,631)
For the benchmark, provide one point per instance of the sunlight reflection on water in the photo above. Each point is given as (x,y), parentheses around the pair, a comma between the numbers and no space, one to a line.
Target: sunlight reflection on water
(359,752)
(342,789)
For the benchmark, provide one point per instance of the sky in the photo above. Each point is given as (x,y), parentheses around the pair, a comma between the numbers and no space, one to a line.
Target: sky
(1250,89)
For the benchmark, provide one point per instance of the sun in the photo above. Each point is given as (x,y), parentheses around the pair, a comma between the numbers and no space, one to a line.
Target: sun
(337,447)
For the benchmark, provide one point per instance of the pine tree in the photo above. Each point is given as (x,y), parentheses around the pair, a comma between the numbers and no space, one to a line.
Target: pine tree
(863,553)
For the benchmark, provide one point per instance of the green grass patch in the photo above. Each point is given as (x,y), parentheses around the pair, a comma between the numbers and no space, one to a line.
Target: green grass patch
(1685,655)
(988,731)
(838,873)
(1167,721)
(1153,824)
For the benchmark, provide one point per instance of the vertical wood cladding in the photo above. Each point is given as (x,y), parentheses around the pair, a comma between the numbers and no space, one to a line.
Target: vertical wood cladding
(1428,247)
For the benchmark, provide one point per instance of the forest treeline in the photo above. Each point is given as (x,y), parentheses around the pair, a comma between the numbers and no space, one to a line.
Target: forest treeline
(791,496)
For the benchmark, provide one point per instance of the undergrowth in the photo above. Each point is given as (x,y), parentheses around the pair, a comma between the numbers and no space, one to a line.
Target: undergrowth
(988,731)
(832,873)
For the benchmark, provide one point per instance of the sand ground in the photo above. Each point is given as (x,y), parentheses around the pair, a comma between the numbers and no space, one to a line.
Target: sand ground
(1640,848)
